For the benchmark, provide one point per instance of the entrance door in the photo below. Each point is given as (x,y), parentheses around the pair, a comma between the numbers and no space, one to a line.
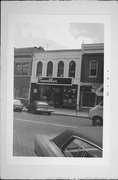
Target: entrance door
(88,99)
(58,97)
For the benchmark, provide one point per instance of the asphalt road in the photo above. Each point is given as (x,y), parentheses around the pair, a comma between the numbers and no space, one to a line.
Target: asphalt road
(27,125)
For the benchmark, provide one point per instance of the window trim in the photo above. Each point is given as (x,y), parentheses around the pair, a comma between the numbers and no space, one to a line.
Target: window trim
(80,138)
(96,68)
(47,69)
(58,75)
(21,69)
(74,70)
(41,69)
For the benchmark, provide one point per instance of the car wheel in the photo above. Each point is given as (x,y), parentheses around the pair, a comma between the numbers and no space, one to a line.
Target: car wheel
(34,111)
(49,113)
(28,110)
(97,121)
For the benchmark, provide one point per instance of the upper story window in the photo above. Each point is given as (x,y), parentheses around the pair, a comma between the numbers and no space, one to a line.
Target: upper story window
(60,69)
(39,69)
(93,68)
(18,68)
(21,69)
(49,68)
(25,69)
(72,67)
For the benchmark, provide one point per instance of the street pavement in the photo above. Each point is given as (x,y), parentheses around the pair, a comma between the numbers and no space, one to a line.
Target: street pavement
(27,125)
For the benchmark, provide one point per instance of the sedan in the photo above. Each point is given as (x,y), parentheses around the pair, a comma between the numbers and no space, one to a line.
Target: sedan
(17,105)
(40,107)
(70,143)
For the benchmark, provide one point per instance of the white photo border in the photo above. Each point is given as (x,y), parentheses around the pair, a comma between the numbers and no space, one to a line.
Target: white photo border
(33,163)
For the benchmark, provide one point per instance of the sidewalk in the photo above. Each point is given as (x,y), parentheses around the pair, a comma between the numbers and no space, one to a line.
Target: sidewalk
(69,112)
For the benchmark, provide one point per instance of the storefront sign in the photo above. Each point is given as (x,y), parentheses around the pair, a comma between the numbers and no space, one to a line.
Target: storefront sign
(56,81)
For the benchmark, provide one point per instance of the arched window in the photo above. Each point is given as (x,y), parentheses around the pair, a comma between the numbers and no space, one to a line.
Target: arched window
(39,69)
(60,72)
(49,68)
(72,67)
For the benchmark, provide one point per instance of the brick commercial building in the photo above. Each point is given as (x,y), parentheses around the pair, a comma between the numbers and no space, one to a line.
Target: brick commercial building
(92,73)
(23,58)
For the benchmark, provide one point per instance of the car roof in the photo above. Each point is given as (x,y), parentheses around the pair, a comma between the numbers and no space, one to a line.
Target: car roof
(94,136)
(17,100)
(40,102)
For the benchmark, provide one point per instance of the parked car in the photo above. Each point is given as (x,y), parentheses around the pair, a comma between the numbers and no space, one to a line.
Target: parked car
(96,115)
(70,144)
(40,107)
(17,105)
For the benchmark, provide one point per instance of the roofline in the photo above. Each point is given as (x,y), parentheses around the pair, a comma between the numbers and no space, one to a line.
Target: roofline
(60,50)
(26,47)
(95,46)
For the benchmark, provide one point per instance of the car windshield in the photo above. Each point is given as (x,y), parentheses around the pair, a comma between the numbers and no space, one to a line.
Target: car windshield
(101,103)
(80,148)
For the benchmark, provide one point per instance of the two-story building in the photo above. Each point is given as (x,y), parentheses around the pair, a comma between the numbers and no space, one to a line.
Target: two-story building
(23,58)
(92,74)
(70,79)
(56,77)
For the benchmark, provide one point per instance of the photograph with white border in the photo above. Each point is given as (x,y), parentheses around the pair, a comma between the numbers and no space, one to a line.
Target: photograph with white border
(56,65)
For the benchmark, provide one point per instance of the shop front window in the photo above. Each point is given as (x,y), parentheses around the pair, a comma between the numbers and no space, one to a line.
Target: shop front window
(49,68)
(16,92)
(60,69)
(88,99)
(70,97)
(21,92)
(72,67)
(39,69)
(24,92)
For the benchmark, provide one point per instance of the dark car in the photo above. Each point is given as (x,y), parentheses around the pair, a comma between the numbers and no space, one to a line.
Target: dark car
(70,144)
(17,105)
(40,107)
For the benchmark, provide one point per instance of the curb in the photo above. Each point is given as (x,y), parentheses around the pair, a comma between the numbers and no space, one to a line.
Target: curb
(80,116)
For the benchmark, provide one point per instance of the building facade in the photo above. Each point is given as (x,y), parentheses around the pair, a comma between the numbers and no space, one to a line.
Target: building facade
(23,58)
(70,79)
(92,74)
(56,78)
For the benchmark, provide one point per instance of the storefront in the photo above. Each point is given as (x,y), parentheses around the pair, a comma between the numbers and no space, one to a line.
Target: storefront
(59,92)
(88,96)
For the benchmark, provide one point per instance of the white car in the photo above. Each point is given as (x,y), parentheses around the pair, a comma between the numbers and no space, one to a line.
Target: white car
(96,115)
(40,107)
(17,105)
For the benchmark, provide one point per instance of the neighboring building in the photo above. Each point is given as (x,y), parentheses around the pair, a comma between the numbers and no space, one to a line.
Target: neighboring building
(56,77)
(23,58)
(92,73)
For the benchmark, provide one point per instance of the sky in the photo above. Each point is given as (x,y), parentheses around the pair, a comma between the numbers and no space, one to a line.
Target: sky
(57,35)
